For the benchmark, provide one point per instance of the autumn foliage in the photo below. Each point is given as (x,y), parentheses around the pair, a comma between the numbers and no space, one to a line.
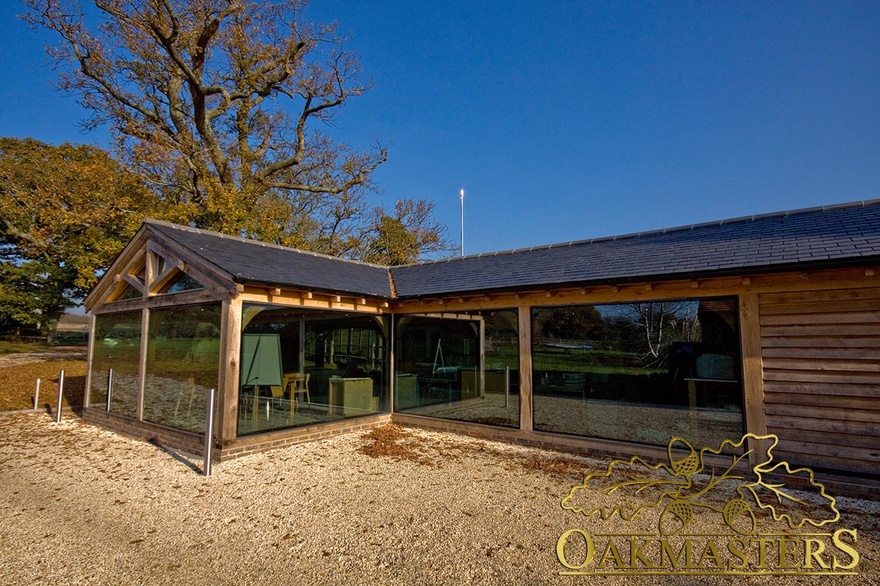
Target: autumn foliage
(219,112)
(65,212)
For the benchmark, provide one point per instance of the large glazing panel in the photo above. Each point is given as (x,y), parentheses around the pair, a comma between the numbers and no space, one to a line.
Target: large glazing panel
(183,358)
(461,366)
(304,367)
(116,346)
(639,372)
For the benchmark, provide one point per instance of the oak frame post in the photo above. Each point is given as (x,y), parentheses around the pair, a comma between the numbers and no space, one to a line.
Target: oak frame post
(142,362)
(526,412)
(752,369)
(228,373)
(87,391)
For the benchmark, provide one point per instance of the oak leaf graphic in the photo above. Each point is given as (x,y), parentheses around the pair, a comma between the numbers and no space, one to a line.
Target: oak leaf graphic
(687,482)
(634,485)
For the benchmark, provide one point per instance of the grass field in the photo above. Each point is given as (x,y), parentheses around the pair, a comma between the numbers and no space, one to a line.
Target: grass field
(592,361)
(16,347)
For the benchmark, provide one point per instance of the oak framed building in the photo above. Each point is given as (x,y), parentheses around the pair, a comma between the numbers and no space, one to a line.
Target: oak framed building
(762,324)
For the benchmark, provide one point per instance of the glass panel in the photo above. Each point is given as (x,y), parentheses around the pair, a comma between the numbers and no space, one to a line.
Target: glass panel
(181,282)
(460,366)
(117,345)
(640,372)
(183,357)
(301,367)
(129,293)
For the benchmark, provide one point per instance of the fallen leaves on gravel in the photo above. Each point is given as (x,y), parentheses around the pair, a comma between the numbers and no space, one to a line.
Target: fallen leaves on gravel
(394,442)
(398,443)
(17,384)
(555,466)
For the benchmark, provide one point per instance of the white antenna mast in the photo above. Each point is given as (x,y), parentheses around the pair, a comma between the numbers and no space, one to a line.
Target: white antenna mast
(461,196)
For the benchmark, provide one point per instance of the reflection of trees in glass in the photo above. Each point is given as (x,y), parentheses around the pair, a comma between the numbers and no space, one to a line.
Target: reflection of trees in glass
(184,343)
(619,336)
(576,322)
(502,338)
(117,345)
(501,324)
(664,322)
(205,346)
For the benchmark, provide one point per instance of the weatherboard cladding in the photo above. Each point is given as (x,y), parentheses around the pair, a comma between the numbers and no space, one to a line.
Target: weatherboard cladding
(841,234)
(250,261)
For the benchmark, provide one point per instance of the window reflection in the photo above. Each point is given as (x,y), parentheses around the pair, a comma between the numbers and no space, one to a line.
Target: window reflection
(117,345)
(183,360)
(460,366)
(301,367)
(639,372)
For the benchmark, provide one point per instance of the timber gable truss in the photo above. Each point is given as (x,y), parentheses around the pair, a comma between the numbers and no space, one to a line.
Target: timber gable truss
(155,272)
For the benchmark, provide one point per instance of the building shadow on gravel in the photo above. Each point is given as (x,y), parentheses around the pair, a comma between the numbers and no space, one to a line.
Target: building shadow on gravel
(191,461)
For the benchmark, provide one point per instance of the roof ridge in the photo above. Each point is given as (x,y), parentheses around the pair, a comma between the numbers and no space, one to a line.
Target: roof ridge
(174,226)
(683,228)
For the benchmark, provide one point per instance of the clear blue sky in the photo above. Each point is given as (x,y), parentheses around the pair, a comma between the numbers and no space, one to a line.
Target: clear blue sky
(571,120)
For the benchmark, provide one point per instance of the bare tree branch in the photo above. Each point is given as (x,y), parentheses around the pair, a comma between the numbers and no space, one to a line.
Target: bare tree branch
(216,103)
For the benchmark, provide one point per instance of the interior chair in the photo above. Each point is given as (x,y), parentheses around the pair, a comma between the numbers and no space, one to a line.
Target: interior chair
(277,394)
(189,389)
(299,386)
(273,398)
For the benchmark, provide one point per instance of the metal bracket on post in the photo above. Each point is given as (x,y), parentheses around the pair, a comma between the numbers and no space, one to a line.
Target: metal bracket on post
(209,433)
(109,388)
(60,393)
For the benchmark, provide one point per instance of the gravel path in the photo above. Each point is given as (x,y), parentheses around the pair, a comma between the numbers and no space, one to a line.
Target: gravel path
(82,505)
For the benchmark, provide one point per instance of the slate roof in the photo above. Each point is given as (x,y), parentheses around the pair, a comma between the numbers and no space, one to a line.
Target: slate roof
(251,261)
(834,235)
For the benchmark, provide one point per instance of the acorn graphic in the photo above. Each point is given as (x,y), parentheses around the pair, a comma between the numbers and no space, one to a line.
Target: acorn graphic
(739,516)
(675,517)
(687,466)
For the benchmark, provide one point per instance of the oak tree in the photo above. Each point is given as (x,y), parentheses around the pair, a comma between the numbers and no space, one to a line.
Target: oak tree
(217,103)
(65,213)
(404,236)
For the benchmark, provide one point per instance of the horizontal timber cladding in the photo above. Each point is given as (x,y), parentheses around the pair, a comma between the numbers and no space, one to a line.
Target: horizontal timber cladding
(821,355)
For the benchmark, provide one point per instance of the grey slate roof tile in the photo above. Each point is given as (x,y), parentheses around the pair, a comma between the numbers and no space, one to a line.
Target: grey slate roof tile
(817,235)
(781,241)
(249,261)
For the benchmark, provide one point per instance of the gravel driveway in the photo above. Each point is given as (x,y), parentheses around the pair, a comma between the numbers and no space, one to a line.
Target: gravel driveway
(82,505)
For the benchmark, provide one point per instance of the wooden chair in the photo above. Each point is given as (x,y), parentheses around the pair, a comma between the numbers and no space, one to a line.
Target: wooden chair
(182,392)
(277,393)
(273,399)
(298,385)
